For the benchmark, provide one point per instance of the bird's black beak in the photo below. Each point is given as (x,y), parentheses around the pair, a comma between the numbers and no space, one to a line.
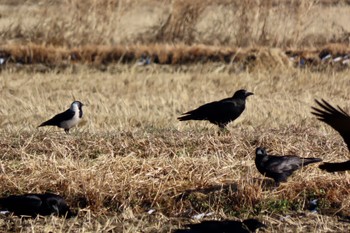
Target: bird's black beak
(248,93)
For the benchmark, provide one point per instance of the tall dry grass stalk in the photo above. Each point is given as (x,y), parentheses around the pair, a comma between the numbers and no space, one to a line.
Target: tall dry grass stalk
(231,23)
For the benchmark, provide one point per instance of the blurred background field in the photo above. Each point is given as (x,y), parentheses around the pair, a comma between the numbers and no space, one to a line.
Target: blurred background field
(130,166)
(220,22)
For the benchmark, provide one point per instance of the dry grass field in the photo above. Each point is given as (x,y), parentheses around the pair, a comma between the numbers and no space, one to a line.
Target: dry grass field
(130,166)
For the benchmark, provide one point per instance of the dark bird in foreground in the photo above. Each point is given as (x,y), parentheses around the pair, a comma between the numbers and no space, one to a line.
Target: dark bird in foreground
(227,226)
(219,112)
(335,167)
(339,120)
(279,167)
(36,204)
(67,119)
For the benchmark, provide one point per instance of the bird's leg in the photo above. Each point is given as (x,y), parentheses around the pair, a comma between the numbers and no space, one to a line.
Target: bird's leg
(67,131)
(222,130)
(277,184)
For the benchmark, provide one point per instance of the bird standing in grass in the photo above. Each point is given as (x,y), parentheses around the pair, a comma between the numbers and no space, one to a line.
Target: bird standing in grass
(247,226)
(68,119)
(279,167)
(339,120)
(219,112)
(36,204)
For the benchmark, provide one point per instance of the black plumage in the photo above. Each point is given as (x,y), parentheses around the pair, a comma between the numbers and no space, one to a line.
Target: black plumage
(36,204)
(57,119)
(339,120)
(335,167)
(279,167)
(227,226)
(219,112)
(68,118)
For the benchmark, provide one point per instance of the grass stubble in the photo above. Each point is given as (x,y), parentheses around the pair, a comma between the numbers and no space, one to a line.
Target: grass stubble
(130,155)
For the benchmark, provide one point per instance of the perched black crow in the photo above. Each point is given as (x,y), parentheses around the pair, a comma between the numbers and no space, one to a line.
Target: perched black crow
(67,119)
(36,204)
(339,120)
(219,112)
(227,226)
(279,167)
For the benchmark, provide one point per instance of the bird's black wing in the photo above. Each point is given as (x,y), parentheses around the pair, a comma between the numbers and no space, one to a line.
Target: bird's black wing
(219,111)
(224,111)
(338,119)
(231,109)
(335,167)
(201,113)
(56,120)
(282,164)
(22,205)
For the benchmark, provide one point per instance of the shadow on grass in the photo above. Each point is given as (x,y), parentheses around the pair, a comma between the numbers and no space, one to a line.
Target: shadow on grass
(230,188)
(266,185)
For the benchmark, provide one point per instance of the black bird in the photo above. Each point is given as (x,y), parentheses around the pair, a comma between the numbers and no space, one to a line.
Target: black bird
(67,119)
(335,167)
(36,204)
(339,120)
(279,167)
(219,112)
(227,226)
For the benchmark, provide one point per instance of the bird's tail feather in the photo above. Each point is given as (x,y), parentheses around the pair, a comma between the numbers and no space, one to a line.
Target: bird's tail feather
(49,122)
(42,124)
(2,201)
(335,167)
(307,161)
(189,117)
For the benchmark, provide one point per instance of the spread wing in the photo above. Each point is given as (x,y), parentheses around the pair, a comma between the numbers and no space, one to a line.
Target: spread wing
(338,119)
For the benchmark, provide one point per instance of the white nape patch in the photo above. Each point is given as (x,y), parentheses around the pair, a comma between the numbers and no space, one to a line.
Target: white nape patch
(74,106)
(75,119)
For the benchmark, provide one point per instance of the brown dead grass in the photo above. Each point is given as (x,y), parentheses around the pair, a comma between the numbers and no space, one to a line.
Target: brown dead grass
(222,22)
(51,57)
(131,155)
